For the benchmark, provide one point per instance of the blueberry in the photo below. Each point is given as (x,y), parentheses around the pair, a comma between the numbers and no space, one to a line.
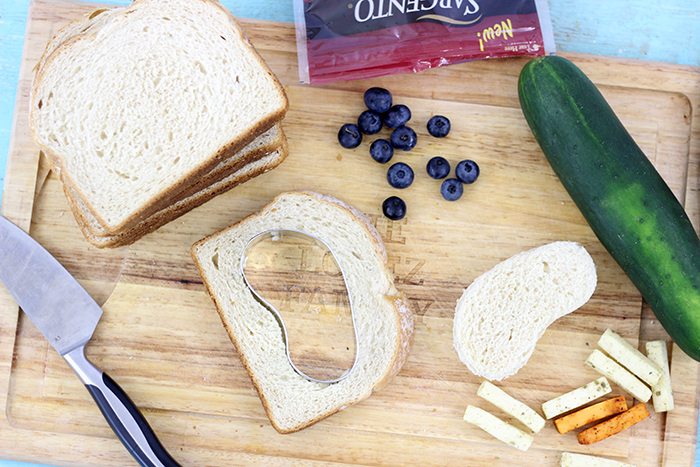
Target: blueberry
(400,175)
(467,171)
(394,208)
(396,116)
(369,122)
(438,167)
(378,100)
(452,189)
(381,151)
(349,136)
(439,126)
(404,138)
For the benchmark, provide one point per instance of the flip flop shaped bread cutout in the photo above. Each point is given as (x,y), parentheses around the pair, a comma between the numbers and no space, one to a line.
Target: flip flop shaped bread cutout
(311,373)
(505,311)
(383,321)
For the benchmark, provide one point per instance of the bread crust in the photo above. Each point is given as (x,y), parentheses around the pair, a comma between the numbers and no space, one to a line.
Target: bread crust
(402,313)
(169,214)
(207,180)
(184,180)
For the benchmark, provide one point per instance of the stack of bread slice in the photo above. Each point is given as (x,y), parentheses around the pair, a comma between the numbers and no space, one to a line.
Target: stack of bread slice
(150,110)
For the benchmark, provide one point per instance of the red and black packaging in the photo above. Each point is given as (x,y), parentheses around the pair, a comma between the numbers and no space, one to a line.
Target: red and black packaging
(353,39)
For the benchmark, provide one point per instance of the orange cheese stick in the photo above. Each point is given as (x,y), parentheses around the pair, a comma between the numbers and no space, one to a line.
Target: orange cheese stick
(591,414)
(615,425)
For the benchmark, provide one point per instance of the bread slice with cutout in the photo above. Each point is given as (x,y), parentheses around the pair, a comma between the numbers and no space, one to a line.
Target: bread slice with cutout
(144,99)
(159,219)
(504,312)
(384,321)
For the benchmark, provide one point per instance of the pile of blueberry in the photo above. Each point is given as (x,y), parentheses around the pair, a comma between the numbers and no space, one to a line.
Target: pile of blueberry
(381,112)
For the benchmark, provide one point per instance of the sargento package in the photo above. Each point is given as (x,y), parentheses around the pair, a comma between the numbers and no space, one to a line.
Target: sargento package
(352,39)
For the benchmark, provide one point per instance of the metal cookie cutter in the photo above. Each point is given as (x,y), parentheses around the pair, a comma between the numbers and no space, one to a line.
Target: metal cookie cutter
(276,235)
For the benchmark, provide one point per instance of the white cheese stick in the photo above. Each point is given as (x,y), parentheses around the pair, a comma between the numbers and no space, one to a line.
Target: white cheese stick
(606,366)
(661,392)
(576,398)
(511,406)
(498,428)
(629,357)
(569,459)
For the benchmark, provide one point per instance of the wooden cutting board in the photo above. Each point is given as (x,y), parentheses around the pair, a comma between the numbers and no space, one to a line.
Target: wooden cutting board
(161,337)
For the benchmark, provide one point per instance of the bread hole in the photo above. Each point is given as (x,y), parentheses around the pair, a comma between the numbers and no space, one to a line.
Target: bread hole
(145,29)
(300,278)
(40,104)
(170,136)
(201,67)
(545,267)
(215,260)
(357,255)
(166,18)
(238,79)
(222,37)
(103,135)
(100,154)
(176,160)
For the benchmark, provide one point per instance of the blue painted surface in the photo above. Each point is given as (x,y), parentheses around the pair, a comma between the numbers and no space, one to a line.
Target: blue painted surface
(661,31)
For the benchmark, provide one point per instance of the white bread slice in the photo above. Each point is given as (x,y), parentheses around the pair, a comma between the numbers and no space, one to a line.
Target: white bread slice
(503,313)
(264,144)
(89,21)
(268,142)
(135,109)
(384,321)
(248,172)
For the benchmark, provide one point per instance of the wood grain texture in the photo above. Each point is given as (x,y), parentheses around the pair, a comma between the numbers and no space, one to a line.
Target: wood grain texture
(160,336)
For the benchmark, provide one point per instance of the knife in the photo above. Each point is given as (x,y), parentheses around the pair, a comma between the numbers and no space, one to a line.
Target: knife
(67,316)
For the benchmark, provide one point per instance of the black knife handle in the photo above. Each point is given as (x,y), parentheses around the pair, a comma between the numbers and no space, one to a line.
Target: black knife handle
(121,413)
(123,416)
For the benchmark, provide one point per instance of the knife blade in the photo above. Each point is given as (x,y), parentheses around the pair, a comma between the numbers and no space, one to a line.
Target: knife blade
(52,299)
(67,316)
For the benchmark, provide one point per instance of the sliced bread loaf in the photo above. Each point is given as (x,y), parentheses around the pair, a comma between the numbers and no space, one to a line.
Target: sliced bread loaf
(179,208)
(384,321)
(503,313)
(134,108)
(270,141)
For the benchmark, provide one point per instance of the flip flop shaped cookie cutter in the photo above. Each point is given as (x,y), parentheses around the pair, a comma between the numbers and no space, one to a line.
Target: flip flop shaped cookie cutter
(276,235)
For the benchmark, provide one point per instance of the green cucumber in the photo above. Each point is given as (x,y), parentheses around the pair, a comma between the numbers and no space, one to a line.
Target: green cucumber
(624,199)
